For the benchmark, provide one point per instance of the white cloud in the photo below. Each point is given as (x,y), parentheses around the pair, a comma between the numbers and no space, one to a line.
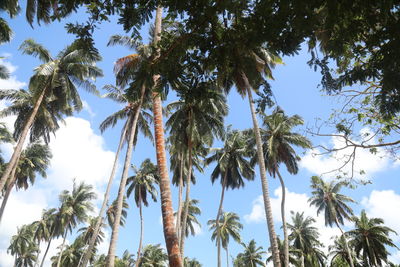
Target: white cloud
(88,109)
(364,160)
(12,82)
(384,204)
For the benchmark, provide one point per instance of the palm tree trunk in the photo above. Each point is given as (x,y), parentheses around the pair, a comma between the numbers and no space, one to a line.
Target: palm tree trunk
(18,149)
(103,208)
(121,191)
(62,248)
(141,231)
(187,200)
(37,257)
(217,219)
(284,226)
(180,192)
(345,243)
(227,257)
(302,259)
(8,191)
(47,249)
(167,211)
(264,181)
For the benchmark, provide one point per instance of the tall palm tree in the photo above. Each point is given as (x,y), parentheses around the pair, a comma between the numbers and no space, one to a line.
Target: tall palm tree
(140,184)
(232,166)
(54,84)
(246,65)
(304,238)
(35,159)
(74,209)
(251,256)
(228,226)
(196,118)
(153,256)
(326,198)
(127,113)
(278,139)
(369,238)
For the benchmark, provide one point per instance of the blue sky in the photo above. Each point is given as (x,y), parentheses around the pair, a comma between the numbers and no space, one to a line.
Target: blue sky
(81,152)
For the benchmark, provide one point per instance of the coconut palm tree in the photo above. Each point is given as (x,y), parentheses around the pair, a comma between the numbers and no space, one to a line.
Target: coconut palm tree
(294,255)
(47,228)
(74,209)
(153,256)
(338,253)
(304,238)
(86,234)
(228,226)
(191,263)
(278,139)
(370,238)
(112,210)
(71,254)
(247,65)
(232,166)
(35,159)
(197,117)
(127,113)
(23,247)
(127,260)
(191,221)
(140,184)
(12,8)
(326,198)
(54,84)
(251,256)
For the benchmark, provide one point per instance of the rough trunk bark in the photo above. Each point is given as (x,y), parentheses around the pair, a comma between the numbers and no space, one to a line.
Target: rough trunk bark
(345,243)
(62,249)
(18,149)
(8,192)
(103,208)
(217,219)
(171,239)
(141,231)
(180,192)
(187,200)
(264,181)
(122,185)
(284,226)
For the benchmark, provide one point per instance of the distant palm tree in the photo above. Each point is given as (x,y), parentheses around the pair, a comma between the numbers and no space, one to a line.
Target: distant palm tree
(34,159)
(304,238)
(251,256)
(191,263)
(369,238)
(278,141)
(112,209)
(140,184)
(326,198)
(294,255)
(229,226)
(191,221)
(197,117)
(338,253)
(54,85)
(153,256)
(127,260)
(46,229)
(23,247)
(71,255)
(232,166)
(74,209)
(87,232)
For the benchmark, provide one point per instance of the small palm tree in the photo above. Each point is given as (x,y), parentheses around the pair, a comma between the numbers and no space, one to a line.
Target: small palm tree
(369,238)
(54,85)
(71,255)
(191,263)
(326,198)
(140,184)
(294,255)
(191,221)
(112,209)
(127,260)
(338,253)
(46,229)
(304,238)
(74,209)
(251,256)
(87,232)
(228,226)
(153,256)
(278,139)
(23,247)
(232,166)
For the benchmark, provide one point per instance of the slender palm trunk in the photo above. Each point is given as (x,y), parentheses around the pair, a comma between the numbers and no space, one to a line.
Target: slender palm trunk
(18,149)
(180,192)
(264,181)
(218,218)
(8,191)
(284,226)
(99,222)
(187,200)
(167,211)
(227,256)
(346,244)
(141,231)
(62,248)
(121,191)
(302,259)
(47,249)
(37,256)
